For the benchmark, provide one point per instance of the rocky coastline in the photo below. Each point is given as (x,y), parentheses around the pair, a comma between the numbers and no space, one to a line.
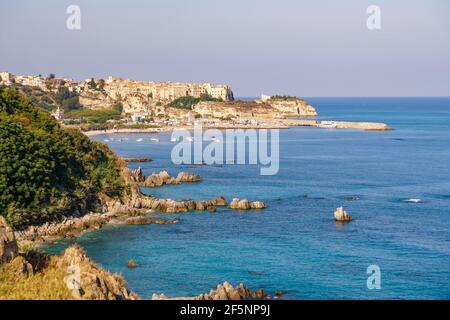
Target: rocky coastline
(133,208)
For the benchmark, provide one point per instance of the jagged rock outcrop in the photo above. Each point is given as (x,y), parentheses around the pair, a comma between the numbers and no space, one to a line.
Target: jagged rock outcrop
(67,228)
(137,175)
(341,215)
(163,178)
(187,177)
(223,291)
(244,204)
(89,281)
(8,244)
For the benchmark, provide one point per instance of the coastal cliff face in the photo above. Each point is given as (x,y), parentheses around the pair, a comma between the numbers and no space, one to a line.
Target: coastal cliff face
(153,99)
(292,106)
(270,109)
(148,98)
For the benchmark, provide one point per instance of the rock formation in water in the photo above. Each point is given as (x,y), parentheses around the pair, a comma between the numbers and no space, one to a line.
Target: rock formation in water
(163,178)
(244,204)
(341,215)
(223,291)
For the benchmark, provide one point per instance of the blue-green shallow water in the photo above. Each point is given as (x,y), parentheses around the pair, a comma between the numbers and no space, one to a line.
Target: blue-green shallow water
(294,245)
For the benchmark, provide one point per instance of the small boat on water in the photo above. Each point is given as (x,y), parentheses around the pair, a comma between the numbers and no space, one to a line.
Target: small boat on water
(174,140)
(106,140)
(154,139)
(413,200)
(139,140)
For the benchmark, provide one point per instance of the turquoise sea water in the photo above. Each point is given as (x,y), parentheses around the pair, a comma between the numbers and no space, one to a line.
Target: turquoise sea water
(294,245)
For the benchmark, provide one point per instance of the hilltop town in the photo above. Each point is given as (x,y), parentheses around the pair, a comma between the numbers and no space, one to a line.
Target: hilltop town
(130,105)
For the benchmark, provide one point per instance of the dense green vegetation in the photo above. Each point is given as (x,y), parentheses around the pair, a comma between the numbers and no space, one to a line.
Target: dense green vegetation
(284,98)
(187,102)
(47,171)
(96,116)
(50,100)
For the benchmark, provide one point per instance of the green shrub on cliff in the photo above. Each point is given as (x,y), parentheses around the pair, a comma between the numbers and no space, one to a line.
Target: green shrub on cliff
(96,116)
(187,102)
(47,171)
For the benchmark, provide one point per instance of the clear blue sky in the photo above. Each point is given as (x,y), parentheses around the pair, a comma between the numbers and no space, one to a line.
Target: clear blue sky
(305,48)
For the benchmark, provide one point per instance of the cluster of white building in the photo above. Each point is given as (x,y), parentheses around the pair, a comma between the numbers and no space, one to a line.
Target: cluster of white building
(167,90)
(40,82)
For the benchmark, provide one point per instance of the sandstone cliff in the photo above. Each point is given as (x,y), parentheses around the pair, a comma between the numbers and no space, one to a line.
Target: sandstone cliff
(291,106)
(270,109)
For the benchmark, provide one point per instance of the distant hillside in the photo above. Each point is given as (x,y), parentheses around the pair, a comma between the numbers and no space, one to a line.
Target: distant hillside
(47,171)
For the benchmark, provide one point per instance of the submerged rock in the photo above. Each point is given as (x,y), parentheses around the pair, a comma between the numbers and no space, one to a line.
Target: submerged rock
(341,215)
(141,220)
(132,264)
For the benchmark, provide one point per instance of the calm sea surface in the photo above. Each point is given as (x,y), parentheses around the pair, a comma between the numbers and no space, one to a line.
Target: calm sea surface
(294,245)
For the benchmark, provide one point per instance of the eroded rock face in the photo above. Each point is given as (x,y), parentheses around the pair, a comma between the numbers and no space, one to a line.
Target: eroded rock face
(8,244)
(341,215)
(223,291)
(244,204)
(292,106)
(89,281)
(138,175)
(187,177)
